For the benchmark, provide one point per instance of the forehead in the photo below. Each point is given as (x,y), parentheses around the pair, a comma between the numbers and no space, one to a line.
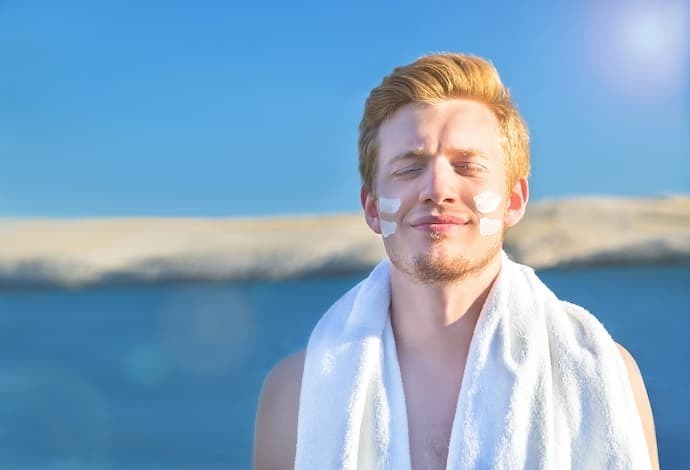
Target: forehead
(447,125)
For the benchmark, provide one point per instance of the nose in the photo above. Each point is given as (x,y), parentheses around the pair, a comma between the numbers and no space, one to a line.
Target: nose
(439,182)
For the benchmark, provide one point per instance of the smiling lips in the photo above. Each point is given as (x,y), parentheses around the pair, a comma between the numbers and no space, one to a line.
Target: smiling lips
(438,223)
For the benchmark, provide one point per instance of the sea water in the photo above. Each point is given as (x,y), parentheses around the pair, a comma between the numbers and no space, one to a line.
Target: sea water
(168,376)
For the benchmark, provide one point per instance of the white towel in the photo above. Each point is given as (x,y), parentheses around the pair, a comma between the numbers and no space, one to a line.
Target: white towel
(544,386)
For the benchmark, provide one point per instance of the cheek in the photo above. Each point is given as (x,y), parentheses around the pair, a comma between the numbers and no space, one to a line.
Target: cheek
(388,205)
(388,208)
(488,226)
(485,203)
(388,228)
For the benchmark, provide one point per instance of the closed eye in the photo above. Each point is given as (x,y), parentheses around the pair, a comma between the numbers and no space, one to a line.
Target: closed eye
(408,171)
(469,168)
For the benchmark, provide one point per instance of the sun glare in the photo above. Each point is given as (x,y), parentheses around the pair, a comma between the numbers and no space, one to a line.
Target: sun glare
(642,48)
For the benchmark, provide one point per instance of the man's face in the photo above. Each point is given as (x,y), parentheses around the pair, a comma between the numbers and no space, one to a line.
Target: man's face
(440,200)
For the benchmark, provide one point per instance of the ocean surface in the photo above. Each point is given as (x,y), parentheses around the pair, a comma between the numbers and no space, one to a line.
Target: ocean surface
(168,376)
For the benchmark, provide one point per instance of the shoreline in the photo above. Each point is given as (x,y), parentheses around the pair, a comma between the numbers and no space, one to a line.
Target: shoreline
(564,233)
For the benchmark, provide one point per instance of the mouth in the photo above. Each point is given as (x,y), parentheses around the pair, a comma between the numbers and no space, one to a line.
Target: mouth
(439,224)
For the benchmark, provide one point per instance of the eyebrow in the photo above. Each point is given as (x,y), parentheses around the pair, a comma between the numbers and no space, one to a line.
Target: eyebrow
(457,153)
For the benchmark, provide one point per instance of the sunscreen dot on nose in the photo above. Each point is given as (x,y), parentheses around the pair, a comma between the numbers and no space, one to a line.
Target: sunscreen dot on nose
(489,226)
(388,228)
(487,201)
(388,205)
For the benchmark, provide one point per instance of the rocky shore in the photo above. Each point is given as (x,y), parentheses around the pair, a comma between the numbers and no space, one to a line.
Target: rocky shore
(560,233)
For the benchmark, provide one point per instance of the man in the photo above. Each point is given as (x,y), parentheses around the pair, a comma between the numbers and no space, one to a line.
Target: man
(451,355)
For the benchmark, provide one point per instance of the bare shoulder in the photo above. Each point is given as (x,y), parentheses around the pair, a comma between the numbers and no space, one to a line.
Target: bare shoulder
(275,430)
(642,401)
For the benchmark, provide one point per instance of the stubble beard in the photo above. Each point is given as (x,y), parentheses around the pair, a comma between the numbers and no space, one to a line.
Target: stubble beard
(438,267)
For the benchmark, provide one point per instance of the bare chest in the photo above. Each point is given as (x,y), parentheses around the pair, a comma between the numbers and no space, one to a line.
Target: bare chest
(429,441)
(431,400)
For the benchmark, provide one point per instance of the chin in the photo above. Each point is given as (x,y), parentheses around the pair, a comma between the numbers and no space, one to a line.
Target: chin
(439,266)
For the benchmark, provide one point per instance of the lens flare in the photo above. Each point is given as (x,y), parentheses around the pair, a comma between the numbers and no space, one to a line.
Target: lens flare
(641,48)
(208,332)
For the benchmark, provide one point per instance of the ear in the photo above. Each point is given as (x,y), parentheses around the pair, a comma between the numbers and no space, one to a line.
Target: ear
(518,197)
(371,211)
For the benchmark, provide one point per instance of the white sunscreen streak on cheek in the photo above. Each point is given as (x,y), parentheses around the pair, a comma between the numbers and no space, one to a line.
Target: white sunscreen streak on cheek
(487,202)
(388,228)
(489,226)
(389,205)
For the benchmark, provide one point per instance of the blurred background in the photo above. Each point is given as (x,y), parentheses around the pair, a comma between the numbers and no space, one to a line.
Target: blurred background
(220,109)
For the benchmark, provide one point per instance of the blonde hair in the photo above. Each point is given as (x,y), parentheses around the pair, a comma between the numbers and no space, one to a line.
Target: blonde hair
(435,78)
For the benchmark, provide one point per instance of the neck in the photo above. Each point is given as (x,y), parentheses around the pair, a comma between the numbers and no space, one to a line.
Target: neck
(437,321)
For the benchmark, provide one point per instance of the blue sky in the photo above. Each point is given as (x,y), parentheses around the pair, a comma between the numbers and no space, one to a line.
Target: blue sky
(223,108)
